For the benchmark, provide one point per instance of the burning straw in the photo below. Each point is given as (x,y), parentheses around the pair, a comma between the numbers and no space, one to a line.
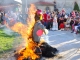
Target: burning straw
(26,32)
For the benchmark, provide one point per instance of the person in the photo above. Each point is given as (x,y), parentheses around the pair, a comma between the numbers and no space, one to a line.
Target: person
(52,18)
(73,14)
(63,12)
(45,50)
(38,26)
(45,19)
(67,25)
(72,25)
(55,24)
(78,28)
(61,26)
(76,24)
(48,21)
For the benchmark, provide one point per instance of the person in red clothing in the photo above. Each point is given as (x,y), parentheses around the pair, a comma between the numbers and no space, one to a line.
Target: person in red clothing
(73,14)
(48,21)
(45,18)
(61,23)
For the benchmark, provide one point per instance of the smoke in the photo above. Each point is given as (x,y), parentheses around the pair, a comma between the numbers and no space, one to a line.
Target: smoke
(8,31)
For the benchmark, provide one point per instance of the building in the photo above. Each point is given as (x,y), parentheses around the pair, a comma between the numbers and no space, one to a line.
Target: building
(68,5)
(8,5)
(43,5)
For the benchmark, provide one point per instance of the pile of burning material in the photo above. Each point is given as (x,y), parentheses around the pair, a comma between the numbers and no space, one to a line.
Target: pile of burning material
(44,50)
(47,50)
(31,51)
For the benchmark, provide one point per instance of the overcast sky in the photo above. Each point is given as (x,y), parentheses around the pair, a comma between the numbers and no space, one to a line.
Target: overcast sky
(18,1)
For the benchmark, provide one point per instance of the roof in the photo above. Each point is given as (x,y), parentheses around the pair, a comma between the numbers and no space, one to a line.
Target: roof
(43,3)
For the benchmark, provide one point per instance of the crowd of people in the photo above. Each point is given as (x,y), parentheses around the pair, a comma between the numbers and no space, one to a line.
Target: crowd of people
(50,19)
(9,17)
(61,20)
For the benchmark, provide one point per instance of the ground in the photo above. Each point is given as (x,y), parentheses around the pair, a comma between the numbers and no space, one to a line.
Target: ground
(6,41)
(66,42)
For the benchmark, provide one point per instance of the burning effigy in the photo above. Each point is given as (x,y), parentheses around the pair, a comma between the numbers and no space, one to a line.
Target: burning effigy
(34,49)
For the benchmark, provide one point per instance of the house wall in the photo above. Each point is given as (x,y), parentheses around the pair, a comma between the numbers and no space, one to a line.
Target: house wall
(67,4)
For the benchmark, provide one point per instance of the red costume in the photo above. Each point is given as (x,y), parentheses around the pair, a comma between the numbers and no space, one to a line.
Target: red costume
(61,25)
(45,17)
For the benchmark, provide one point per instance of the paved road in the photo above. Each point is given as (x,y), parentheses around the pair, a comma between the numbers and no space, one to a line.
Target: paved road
(67,43)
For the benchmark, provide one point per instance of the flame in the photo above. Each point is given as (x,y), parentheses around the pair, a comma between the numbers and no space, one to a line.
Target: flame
(26,31)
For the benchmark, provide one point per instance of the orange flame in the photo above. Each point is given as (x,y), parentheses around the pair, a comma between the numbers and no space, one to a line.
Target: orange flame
(26,32)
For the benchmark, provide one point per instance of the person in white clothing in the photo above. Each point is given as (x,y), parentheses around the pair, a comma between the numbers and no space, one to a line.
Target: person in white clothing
(55,24)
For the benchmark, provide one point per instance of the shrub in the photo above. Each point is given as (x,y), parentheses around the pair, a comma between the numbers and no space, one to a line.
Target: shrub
(76,7)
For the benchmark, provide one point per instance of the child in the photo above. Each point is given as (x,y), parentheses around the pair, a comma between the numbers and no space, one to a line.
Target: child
(67,25)
(72,25)
(62,26)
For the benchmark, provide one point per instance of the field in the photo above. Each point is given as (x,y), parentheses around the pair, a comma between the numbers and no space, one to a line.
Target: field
(6,41)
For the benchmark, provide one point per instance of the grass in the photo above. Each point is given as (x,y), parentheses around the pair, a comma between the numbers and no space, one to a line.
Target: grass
(6,41)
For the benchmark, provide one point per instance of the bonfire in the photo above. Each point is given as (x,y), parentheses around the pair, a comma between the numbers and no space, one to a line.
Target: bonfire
(26,32)
(31,51)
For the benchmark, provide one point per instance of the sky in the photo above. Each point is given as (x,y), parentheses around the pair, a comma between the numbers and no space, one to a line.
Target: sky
(18,1)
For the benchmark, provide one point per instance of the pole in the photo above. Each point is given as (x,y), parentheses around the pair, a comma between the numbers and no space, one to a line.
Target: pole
(24,10)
